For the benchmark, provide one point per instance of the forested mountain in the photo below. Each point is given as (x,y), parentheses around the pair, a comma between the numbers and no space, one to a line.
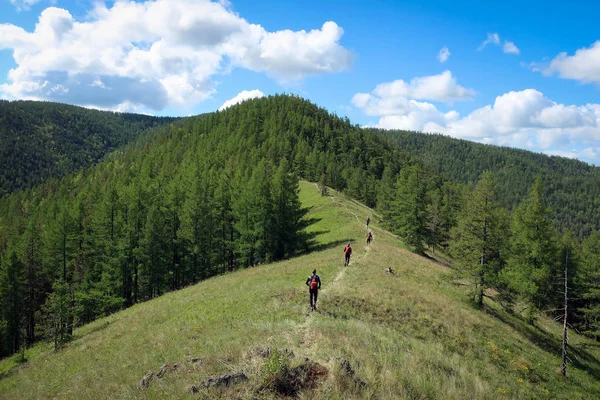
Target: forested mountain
(572,187)
(196,198)
(41,140)
(218,192)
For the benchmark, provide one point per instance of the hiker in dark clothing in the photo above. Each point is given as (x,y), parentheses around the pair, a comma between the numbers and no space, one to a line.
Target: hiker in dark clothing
(314,284)
(368,220)
(347,254)
(369,238)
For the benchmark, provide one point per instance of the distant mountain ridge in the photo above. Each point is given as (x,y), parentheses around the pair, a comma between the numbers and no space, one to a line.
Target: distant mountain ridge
(42,140)
(572,186)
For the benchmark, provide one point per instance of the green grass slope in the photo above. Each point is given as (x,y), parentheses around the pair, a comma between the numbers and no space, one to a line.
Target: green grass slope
(408,335)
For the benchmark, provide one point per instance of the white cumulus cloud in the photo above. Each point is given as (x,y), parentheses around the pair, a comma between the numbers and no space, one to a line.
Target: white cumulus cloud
(525,119)
(583,66)
(492,38)
(156,54)
(443,54)
(242,96)
(398,97)
(510,48)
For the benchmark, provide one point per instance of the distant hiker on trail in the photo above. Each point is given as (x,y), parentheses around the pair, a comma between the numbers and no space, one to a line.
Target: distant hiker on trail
(368,220)
(314,284)
(390,270)
(369,238)
(347,254)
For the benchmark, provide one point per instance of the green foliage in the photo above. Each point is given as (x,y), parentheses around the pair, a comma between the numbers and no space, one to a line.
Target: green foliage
(533,250)
(58,314)
(409,214)
(41,140)
(202,196)
(276,367)
(588,282)
(478,241)
(572,187)
(12,302)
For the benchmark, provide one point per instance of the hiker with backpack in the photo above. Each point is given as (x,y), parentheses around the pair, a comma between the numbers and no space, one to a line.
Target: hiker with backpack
(314,284)
(369,238)
(347,254)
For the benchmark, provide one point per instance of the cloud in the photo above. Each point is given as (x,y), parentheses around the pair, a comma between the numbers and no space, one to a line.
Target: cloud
(242,96)
(525,119)
(443,54)
(583,66)
(171,49)
(492,38)
(510,48)
(392,98)
(26,4)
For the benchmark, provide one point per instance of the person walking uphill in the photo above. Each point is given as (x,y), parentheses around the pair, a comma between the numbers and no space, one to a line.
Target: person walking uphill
(314,284)
(369,238)
(347,254)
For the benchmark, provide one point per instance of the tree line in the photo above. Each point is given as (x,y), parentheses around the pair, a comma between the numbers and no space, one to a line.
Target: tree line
(520,254)
(571,187)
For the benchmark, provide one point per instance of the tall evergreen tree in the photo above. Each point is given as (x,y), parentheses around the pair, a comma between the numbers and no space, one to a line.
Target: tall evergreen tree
(58,312)
(588,284)
(479,240)
(288,213)
(409,209)
(533,250)
(13,300)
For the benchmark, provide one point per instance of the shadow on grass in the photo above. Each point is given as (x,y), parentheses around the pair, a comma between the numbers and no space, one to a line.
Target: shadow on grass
(16,368)
(580,358)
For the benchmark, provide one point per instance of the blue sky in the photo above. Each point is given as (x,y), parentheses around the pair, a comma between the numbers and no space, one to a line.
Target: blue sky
(523,75)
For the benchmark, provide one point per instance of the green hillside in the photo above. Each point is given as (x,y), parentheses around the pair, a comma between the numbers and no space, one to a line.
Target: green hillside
(42,140)
(572,186)
(411,335)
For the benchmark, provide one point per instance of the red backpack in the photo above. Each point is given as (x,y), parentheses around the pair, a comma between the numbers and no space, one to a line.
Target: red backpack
(313,283)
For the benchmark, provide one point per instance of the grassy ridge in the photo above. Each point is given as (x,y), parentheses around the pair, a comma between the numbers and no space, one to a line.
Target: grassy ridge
(408,335)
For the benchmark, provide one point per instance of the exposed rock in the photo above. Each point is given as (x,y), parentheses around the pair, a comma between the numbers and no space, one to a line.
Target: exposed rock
(146,379)
(195,360)
(347,371)
(168,367)
(225,380)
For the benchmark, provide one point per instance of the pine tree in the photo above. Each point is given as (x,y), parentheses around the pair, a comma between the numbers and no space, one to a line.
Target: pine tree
(409,208)
(478,241)
(533,250)
(385,194)
(288,224)
(588,283)
(155,244)
(13,300)
(33,258)
(58,313)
